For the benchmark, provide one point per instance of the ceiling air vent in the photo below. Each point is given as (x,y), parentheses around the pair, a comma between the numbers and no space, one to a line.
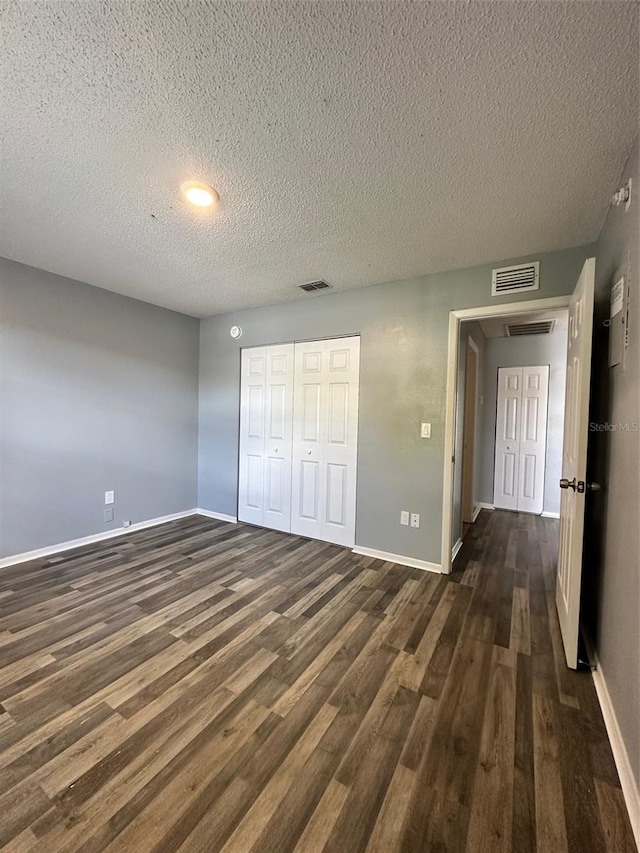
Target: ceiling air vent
(314,285)
(541,327)
(515,279)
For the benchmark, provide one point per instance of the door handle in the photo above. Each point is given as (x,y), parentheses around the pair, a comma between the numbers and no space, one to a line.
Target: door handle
(579,486)
(568,484)
(308,453)
(275,449)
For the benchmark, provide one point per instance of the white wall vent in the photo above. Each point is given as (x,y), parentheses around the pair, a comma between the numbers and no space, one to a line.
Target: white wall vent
(539,327)
(310,286)
(515,279)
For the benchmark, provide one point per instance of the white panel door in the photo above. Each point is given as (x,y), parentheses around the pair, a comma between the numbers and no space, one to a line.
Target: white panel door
(278,437)
(308,438)
(521,438)
(508,438)
(574,460)
(342,367)
(325,436)
(266,408)
(533,438)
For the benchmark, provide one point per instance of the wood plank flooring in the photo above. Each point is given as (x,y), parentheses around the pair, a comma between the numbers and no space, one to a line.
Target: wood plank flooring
(202,686)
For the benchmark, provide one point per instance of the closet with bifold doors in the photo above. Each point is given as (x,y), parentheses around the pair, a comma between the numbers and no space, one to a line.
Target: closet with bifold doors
(299,436)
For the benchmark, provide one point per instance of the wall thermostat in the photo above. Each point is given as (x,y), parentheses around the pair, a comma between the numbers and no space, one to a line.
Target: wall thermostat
(235,332)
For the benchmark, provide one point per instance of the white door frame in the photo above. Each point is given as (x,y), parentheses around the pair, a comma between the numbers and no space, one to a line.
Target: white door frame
(471,344)
(484,312)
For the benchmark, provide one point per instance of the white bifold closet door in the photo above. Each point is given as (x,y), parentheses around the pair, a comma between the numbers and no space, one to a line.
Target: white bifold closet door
(266,412)
(521,438)
(325,439)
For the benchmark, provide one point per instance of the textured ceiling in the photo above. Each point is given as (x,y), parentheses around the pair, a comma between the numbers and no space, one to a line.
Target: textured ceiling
(355,142)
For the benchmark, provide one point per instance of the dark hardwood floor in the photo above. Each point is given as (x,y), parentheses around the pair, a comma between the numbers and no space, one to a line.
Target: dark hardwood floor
(202,686)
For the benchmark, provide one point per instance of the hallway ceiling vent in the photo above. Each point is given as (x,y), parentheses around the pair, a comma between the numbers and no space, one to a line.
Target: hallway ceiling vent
(515,279)
(314,285)
(541,327)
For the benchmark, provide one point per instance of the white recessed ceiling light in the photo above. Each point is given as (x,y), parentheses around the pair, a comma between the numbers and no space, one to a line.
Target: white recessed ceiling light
(199,194)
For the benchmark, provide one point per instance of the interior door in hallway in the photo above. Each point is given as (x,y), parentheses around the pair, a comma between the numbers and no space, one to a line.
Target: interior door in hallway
(325,436)
(521,438)
(264,494)
(574,460)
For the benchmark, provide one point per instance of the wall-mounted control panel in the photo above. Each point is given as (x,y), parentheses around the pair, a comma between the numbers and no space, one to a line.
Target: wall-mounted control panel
(618,322)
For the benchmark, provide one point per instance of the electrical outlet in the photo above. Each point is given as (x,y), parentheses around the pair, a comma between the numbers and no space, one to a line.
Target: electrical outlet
(415,519)
(425,431)
(108,514)
(404,517)
(109,497)
(126,523)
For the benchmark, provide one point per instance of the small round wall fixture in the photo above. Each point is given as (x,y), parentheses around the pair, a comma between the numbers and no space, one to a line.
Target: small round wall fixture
(235,332)
(199,194)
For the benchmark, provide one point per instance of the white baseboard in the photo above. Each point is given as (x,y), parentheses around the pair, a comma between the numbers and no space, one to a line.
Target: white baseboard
(455,549)
(620,755)
(550,514)
(490,507)
(398,558)
(476,512)
(89,540)
(221,516)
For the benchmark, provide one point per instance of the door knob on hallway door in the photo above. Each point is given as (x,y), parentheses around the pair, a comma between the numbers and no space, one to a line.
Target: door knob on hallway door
(308,453)
(568,484)
(275,449)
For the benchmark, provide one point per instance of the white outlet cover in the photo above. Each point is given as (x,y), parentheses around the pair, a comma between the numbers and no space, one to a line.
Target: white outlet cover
(425,431)
(109,497)
(415,519)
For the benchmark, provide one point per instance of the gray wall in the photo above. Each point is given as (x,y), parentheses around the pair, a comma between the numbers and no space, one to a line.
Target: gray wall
(611,580)
(98,392)
(473,330)
(522,352)
(404,327)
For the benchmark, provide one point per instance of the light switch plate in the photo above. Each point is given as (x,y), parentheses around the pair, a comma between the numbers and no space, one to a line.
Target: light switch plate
(425,431)
(109,497)
(404,517)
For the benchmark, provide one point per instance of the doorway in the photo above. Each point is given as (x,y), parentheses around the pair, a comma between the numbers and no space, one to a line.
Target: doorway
(459,478)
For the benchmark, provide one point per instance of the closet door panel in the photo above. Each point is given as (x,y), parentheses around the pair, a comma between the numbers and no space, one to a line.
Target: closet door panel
(533,438)
(252,423)
(266,405)
(340,417)
(278,443)
(308,437)
(508,416)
